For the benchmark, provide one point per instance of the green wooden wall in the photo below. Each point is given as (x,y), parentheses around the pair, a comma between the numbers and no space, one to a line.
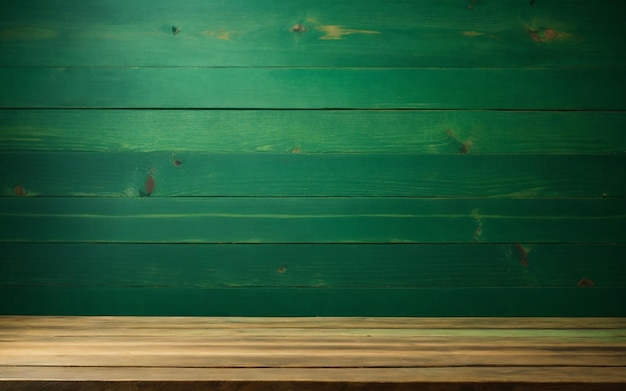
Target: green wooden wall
(328,157)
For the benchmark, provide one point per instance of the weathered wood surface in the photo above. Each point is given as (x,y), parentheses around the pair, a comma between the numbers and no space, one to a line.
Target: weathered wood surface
(351,33)
(417,132)
(313,88)
(311,220)
(313,265)
(95,174)
(333,352)
(414,158)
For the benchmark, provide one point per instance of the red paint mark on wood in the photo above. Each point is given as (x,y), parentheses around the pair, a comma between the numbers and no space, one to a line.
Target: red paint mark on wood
(550,34)
(19,191)
(534,36)
(585,283)
(149,186)
(523,254)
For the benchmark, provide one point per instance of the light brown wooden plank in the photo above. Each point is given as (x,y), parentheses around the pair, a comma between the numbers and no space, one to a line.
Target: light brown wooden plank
(267,343)
(32,334)
(103,323)
(303,338)
(280,357)
(392,375)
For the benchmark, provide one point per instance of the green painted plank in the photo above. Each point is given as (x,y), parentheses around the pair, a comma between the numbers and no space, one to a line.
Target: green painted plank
(156,301)
(253,174)
(317,265)
(479,132)
(545,89)
(347,33)
(312,220)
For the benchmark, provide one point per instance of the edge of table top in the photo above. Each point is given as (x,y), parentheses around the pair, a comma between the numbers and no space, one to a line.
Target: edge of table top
(327,353)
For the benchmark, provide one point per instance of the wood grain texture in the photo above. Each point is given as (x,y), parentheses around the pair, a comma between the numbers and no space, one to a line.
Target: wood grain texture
(457,157)
(312,220)
(316,265)
(336,131)
(41,326)
(326,352)
(57,174)
(292,354)
(349,33)
(307,88)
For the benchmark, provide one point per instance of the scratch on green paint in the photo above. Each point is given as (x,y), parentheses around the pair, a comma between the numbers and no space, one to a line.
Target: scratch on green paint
(334,31)
(264,148)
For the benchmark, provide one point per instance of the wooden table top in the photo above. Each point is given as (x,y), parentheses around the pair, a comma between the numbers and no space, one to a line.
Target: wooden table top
(312,353)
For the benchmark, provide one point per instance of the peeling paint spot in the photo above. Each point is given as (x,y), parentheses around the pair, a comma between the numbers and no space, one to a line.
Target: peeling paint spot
(264,148)
(149,186)
(551,35)
(337,32)
(472,34)
(463,146)
(477,236)
(523,254)
(19,191)
(297,28)
(220,34)
(585,283)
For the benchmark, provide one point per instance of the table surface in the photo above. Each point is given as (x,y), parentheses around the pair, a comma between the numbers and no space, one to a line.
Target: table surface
(319,353)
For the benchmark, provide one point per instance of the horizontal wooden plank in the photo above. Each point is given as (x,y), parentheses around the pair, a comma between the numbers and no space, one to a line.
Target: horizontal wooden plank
(157,301)
(321,88)
(383,266)
(57,326)
(278,131)
(205,174)
(232,33)
(347,339)
(312,220)
(294,355)
(313,379)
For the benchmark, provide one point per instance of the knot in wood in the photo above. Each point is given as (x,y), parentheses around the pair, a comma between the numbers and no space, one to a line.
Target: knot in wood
(297,28)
